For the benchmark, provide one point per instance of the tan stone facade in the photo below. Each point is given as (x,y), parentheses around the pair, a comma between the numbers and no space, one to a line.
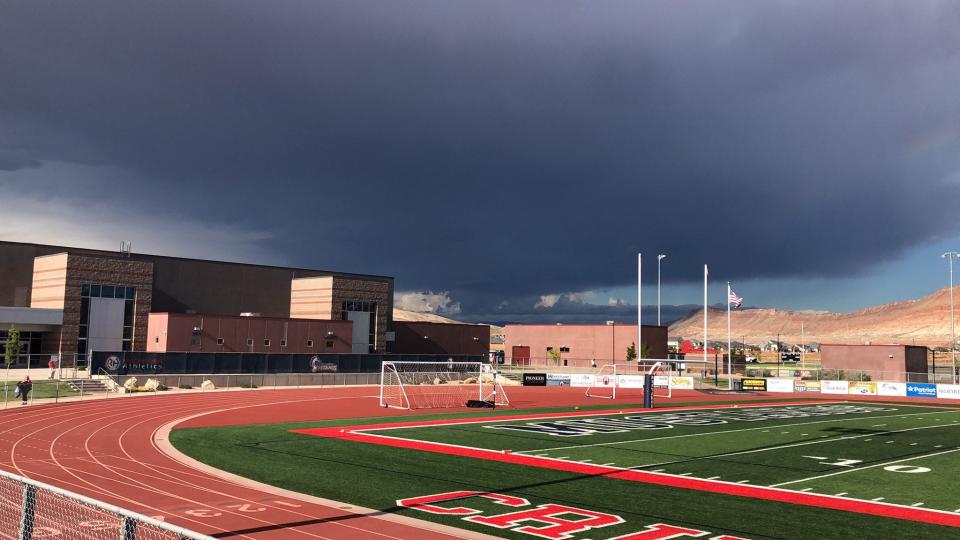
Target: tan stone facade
(57,283)
(322,298)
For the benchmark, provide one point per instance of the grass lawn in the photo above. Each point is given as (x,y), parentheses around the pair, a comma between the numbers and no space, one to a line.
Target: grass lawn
(41,389)
(378,476)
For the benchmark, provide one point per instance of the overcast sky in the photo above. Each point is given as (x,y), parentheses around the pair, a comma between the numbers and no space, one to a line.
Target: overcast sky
(503,160)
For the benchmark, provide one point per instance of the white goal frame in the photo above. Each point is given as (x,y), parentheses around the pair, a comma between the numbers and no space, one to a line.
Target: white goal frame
(429,385)
(608,379)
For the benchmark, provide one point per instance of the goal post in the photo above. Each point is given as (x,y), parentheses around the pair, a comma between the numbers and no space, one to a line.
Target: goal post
(431,385)
(628,380)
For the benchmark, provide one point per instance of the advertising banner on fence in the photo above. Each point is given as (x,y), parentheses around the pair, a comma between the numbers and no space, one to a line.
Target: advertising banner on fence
(661,380)
(921,390)
(558,379)
(756,385)
(582,380)
(630,381)
(534,379)
(779,385)
(681,383)
(948,391)
(834,387)
(892,389)
(863,388)
(806,386)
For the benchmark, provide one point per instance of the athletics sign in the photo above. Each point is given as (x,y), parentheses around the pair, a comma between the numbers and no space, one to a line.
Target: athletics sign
(554,521)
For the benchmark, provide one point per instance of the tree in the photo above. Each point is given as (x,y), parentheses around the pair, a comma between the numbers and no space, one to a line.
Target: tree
(645,351)
(632,351)
(554,355)
(13,347)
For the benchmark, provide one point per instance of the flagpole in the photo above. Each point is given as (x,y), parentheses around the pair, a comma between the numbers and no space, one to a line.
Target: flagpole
(705,272)
(639,307)
(729,344)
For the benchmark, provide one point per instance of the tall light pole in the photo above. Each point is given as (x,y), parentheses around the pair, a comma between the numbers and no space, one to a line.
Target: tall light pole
(659,258)
(950,255)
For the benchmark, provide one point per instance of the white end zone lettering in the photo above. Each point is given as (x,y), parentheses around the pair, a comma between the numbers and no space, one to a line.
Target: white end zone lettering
(552,521)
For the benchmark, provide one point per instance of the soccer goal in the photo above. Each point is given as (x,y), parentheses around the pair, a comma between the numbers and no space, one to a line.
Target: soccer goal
(626,380)
(431,385)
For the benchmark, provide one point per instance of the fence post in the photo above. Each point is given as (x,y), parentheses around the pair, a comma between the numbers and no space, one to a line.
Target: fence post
(28,509)
(129,529)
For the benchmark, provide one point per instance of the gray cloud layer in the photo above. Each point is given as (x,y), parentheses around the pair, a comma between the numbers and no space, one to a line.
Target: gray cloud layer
(505,150)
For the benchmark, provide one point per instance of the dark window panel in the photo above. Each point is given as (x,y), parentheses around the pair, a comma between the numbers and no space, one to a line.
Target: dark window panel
(94,290)
(85,290)
(106,291)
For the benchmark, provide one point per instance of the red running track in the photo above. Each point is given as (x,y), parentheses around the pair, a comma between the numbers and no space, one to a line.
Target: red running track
(113,450)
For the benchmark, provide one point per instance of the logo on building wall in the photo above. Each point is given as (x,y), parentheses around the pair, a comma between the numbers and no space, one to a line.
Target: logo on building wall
(112,363)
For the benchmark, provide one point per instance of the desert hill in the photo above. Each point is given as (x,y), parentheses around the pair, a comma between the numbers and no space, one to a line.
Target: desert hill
(925,321)
(414,316)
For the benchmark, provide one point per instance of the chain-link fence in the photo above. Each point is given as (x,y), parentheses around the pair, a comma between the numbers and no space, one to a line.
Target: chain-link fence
(32,510)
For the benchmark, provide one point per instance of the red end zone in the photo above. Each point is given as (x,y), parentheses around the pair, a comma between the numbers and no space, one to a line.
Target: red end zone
(360,434)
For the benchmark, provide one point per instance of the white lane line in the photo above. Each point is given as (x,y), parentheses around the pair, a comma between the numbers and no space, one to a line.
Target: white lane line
(807,489)
(713,478)
(881,425)
(585,460)
(607,464)
(913,444)
(841,494)
(890,442)
(878,499)
(864,468)
(744,482)
(685,474)
(658,470)
(763,429)
(917,504)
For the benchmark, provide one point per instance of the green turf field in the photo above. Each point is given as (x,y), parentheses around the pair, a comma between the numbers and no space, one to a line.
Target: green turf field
(895,453)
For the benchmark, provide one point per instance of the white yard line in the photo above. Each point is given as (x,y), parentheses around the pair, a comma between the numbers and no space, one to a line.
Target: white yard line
(864,468)
(654,439)
(780,447)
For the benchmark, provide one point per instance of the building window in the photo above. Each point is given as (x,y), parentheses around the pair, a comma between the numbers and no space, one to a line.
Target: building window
(219,341)
(309,343)
(88,291)
(249,343)
(329,344)
(283,343)
(195,340)
(266,343)
(564,349)
(156,339)
(365,306)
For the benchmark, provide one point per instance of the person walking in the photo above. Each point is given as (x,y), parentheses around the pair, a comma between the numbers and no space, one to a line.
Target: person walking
(52,364)
(23,389)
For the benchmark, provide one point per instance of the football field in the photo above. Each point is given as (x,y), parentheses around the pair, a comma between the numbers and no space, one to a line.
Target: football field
(895,455)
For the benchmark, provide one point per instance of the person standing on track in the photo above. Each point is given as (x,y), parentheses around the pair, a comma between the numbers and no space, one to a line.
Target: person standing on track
(24,387)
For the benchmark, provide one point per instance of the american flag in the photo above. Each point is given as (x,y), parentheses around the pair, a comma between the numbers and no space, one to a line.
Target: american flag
(735,300)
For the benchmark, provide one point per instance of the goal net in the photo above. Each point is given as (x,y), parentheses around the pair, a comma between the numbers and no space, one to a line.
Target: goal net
(626,380)
(431,385)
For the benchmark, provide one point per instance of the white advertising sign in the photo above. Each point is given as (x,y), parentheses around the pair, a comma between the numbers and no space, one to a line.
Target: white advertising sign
(681,383)
(584,380)
(661,380)
(779,385)
(891,388)
(948,391)
(834,387)
(630,381)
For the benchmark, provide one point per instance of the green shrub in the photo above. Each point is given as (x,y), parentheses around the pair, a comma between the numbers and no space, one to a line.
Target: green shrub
(184,386)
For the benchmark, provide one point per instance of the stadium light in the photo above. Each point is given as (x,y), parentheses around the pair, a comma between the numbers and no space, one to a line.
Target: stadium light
(950,255)
(659,258)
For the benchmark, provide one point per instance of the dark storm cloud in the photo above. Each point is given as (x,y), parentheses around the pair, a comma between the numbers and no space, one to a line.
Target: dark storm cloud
(506,150)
